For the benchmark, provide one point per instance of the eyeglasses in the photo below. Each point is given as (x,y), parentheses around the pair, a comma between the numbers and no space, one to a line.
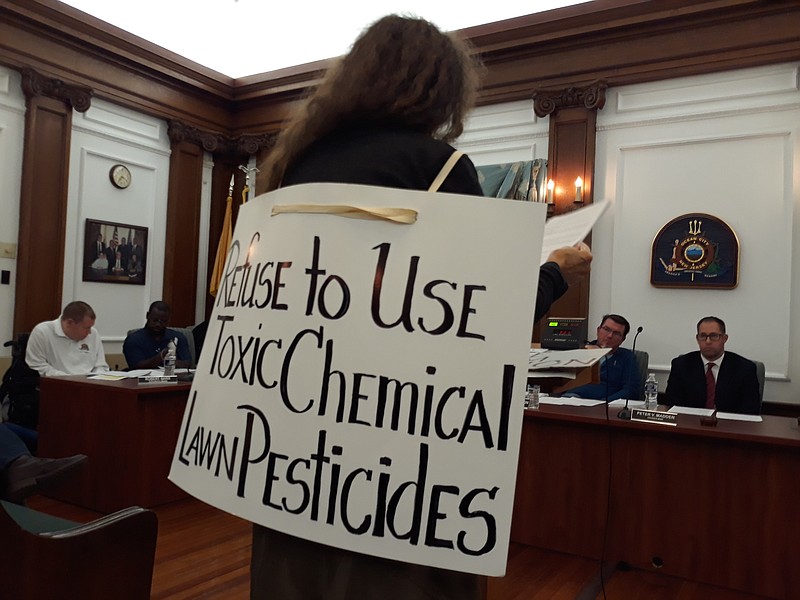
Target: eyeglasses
(611,332)
(714,337)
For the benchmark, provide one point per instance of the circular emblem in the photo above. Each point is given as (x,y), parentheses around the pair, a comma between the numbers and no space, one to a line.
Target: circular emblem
(694,253)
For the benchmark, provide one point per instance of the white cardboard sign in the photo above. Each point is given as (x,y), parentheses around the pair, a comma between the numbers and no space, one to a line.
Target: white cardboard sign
(362,382)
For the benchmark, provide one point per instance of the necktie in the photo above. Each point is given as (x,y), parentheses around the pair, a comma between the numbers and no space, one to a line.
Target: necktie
(711,387)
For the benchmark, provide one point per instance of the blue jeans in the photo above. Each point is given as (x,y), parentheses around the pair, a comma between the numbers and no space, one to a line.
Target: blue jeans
(11,445)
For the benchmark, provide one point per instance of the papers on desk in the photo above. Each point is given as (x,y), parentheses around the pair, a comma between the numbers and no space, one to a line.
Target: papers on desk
(553,363)
(689,410)
(707,412)
(568,401)
(117,375)
(109,376)
(570,228)
(621,403)
(739,417)
(144,372)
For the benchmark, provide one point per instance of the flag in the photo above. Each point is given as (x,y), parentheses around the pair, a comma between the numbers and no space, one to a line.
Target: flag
(116,236)
(222,249)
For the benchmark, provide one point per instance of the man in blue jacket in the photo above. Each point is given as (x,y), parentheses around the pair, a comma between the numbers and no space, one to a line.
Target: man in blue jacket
(619,374)
(145,348)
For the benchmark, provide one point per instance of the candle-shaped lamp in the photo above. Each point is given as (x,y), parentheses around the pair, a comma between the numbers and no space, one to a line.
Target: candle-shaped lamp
(550,187)
(579,190)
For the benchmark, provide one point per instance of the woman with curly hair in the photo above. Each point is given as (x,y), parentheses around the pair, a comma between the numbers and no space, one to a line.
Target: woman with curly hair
(384,113)
(384,116)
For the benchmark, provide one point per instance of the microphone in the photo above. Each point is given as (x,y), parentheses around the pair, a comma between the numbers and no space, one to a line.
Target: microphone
(625,413)
(639,330)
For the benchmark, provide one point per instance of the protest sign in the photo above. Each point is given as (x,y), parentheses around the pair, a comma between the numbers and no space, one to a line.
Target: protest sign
(362,381)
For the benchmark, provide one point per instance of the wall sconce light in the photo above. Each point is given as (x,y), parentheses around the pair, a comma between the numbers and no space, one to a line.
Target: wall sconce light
(579,191)
(551,205)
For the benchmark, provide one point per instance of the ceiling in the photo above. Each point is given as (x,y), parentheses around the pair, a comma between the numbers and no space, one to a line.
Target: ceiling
(246,37)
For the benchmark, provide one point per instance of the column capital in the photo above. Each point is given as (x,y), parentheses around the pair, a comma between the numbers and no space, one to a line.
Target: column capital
(34,83)
(591,97)
(219,143)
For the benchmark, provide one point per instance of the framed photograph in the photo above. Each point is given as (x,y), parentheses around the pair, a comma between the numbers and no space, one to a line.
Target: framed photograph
(114,252)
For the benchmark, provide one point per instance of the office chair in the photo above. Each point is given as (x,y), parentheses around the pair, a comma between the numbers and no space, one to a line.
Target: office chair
(45,557)
(642,362)
(761,375)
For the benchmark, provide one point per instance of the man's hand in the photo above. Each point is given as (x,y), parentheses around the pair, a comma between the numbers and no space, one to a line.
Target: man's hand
(574,261)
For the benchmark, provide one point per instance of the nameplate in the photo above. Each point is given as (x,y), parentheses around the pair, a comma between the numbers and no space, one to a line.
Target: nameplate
(653,416)
(158,379)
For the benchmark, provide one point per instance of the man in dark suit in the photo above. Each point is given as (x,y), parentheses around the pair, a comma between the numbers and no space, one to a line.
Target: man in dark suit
(713,378)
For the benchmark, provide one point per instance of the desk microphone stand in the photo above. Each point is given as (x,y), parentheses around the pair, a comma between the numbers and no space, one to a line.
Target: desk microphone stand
(625,413)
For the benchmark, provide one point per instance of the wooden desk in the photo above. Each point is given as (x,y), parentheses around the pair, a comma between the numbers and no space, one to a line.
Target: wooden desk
(712,504)
(128,431)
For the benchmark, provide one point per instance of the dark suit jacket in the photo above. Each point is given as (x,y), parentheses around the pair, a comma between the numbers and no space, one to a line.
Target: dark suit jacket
(737,384)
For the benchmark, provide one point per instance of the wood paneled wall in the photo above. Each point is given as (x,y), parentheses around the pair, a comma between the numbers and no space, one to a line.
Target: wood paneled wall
(183,232)
(43,199)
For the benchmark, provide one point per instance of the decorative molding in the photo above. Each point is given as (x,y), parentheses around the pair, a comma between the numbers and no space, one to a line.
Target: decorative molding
(700,116)
(620,41)
(470,142)
(592,97)
(78,97)
(245,144)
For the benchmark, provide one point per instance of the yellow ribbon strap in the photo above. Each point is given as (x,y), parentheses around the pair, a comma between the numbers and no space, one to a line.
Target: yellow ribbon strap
(405,216)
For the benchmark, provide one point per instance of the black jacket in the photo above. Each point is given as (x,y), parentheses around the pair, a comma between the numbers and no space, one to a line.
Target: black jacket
(737,384)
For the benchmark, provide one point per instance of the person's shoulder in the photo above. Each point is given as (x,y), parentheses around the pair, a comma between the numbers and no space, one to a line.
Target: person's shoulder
(174,333)
(738,358)
(398,140)
(686,358)
(135,333)
(45,327)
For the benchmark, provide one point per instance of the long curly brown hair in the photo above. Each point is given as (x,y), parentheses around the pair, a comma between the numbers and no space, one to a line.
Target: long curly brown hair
(400,71)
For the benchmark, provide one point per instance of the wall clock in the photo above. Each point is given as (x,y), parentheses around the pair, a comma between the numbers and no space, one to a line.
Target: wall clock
(120,176)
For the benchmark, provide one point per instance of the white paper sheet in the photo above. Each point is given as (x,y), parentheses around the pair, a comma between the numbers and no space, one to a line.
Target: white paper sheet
(570,228)
(739,417)
(620,403)
(540,358)
(690,410)
(566,401)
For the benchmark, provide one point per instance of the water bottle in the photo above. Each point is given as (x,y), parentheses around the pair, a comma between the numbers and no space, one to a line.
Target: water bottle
(169,359)
(535,396)
(651,392)
(532,396)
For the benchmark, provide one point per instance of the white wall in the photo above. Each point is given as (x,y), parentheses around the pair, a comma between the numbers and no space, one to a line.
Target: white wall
(103,136)
(723,144)
(12,129)
(504,133)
